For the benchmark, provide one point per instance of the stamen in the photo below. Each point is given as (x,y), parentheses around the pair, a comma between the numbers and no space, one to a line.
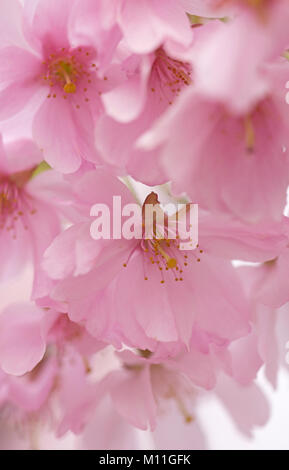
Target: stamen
(162,252)
(12,201)
(171,262)
(183,410)
(68,69)
(249,133)
(169,76)
(69,87)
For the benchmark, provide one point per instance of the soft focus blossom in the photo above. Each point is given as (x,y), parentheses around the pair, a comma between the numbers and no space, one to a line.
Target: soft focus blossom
(31,204)
(152,76)
(237,162)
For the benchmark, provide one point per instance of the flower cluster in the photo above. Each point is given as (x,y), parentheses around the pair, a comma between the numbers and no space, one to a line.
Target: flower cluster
(155,101)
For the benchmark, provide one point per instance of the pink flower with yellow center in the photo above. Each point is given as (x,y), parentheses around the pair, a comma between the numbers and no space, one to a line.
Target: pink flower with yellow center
(30,207)
(57,77)
(152,84)
(167,287)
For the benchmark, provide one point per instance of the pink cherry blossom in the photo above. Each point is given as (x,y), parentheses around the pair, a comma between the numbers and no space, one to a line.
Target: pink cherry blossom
(32,338)
(152,76)
(152,85)
(62,73)
(167,282)
(27,393)
(231,151)
(143,386)
(30,207)
(22,339)
(150,382)
(268,281)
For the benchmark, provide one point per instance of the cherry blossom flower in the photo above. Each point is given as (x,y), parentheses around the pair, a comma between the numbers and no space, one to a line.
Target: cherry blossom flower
(238,162)
(31,207)
(62,74)
(151,85)
(170,285)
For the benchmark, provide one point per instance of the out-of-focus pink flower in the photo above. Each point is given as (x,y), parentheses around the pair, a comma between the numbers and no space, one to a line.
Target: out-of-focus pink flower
(236,162)
(22,338)
(247,405)
(142,384)
(272,282)
(27,330)
(151,75)
(241,88)
(75,393)
(29,392)
(107,429)
(263,10)
(147,24)
(150,86)
(268,284)
(50,355)
(33,202)
(263,341)
(30,207)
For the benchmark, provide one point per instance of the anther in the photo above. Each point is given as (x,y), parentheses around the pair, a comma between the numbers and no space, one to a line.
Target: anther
(69,87)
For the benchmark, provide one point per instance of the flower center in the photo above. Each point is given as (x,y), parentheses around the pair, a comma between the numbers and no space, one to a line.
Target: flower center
(14,204)
(162,250)
(169,76)
(67,73)
(166,256)
(8,198)
(70,71)
(63,71)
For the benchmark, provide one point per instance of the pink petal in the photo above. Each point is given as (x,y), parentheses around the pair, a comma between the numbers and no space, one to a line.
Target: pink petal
(149,302)
(47,22)
(31,393)
(65,145)
(22,155)
(133,398)
(11,23)
(22,338)
(248,406)
(125,102)
(219,302)
(147,23)
(20,84)
(108,430)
